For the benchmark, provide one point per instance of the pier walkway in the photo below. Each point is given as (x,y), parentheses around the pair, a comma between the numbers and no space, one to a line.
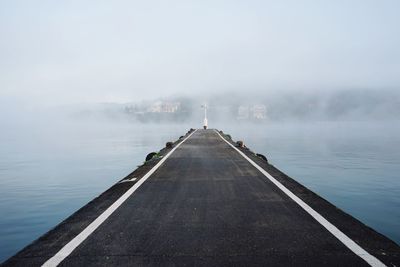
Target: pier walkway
(208,203)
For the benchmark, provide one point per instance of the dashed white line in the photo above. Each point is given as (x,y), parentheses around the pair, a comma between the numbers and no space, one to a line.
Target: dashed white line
(128,180)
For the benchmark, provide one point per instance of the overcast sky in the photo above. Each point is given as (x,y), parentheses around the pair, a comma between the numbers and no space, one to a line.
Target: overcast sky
(104,51)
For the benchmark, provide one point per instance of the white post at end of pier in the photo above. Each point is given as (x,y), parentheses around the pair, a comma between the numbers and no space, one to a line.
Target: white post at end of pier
(205,122)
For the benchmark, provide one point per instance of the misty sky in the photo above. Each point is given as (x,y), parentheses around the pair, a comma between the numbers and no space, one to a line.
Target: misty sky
(103,51)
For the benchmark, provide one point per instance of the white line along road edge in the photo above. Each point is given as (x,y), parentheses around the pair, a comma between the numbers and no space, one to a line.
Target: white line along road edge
(353,246)
(76,241)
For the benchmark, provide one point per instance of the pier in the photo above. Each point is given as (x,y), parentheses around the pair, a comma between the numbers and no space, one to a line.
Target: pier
(207,201)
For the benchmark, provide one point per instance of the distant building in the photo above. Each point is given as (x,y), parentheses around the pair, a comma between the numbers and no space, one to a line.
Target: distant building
(243,112)
(164,107)
(155,107)
(259,112)
(170,107)
(252,112)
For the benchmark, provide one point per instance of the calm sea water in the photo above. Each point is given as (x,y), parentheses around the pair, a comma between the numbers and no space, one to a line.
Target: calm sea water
(49,170)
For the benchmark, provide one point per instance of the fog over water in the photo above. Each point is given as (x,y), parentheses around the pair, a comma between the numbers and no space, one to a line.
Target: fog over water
(85,88)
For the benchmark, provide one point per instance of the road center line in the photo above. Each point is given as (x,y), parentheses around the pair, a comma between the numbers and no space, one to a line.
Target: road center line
(353,246)
(76,241)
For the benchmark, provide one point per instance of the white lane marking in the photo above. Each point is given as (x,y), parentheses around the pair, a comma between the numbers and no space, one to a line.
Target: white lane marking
(128,180)
(76,241)
(353,246)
